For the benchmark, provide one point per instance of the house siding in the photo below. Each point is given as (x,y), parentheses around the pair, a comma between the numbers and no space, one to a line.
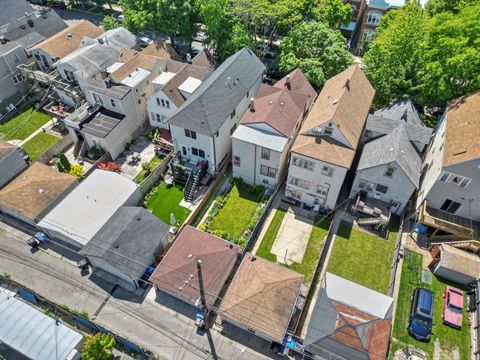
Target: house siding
(154,108)
(11,166)
(8,67)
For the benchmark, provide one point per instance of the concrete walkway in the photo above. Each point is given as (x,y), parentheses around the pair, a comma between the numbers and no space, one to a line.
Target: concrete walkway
(45,127)
(292,238)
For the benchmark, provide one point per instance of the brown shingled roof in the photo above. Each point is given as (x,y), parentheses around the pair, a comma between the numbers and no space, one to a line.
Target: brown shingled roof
(462,132)
(34,190)
(348,112)
(177,272)
(68,40)
(281,106)
(163,50)
(204,60)
(6,148)
(262,296)
(170,89)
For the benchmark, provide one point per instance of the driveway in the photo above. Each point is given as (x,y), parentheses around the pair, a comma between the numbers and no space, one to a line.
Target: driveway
(292,238)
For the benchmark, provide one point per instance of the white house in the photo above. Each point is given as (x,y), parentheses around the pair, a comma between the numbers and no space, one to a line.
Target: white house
(389,170)
(83,212)
(171,90)
(202,127)
(450,187)
(324,149)
(261,143)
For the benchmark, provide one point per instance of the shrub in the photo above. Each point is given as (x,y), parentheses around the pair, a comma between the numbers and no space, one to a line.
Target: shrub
(110,166)
(63,164)
(77,171)
(147,167)
(98,347)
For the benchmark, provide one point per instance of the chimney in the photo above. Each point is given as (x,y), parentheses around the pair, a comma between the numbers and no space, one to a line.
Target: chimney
(347,84)
(252,104)
(288,82)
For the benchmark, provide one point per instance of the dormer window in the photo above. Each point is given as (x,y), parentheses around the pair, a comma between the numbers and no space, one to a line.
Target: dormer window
(389,172)
(328,130)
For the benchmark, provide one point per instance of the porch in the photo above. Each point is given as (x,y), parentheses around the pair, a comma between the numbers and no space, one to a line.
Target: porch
(371,212)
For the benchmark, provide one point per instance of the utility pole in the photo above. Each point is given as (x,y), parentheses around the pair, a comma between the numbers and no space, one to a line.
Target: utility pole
(202,294)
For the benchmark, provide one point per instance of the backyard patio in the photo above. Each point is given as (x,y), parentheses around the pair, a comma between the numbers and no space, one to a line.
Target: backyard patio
(23,125)
(234,214)
(363,257)
(446,342)
(165,200)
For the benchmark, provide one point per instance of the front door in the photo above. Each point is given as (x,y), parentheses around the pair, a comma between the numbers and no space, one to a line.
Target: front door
(184,151)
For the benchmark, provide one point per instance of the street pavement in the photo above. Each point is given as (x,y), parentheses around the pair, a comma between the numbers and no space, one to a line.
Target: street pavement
(167,333)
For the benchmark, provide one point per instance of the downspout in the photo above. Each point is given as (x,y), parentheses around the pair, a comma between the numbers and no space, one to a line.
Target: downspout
(214,154)
(255,165)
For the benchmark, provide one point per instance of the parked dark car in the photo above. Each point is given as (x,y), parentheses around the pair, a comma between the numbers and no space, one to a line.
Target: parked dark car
(421,314)
(57,5)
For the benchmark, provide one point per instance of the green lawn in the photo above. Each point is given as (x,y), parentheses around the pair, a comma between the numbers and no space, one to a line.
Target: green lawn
(362,258)
(448,337)
(37,145)
(165,201)
(312,252)
(154,162)
(209,202)
(24,124)
(233,219)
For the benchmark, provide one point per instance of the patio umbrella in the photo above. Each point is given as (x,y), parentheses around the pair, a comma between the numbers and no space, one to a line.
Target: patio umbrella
(173,220)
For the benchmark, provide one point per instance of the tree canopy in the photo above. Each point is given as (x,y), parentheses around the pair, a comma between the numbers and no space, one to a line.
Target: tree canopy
(333,12)
(317,50)
(431,59)
(98,347)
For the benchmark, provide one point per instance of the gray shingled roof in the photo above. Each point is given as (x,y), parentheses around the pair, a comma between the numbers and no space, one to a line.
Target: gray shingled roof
(13,9)
(393,147)
(212,103)
(118,38)
(128,240)
(401,110)
(384,125)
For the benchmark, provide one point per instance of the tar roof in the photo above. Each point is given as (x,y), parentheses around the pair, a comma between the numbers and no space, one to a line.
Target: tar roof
(393,147)
(171,87)
(462,132)
(213,102)
(459,261)
(6,148)
(350,321)
(34,190)
(281,106)
(32,333)
(262,296)
(102,123)
(87,208)
(68,40)
(177,272)
(345,100)
(162,49)
(128,240)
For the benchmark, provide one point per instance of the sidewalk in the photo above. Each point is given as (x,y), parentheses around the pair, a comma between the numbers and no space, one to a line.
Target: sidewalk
(151,325)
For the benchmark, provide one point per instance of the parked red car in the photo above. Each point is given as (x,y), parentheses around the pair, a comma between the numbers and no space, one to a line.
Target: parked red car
(453,307)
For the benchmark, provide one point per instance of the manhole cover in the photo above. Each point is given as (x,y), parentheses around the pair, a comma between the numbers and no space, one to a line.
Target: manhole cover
(426,277)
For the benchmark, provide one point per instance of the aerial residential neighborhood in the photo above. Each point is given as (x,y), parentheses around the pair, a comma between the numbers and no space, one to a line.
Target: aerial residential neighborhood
(225,179)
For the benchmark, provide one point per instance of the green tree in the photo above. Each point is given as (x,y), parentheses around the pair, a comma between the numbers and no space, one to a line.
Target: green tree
(333,12)
(317,50)
(163,16)
(63,164)
(435,7)
(98,347)
(77,171)
(452,56)
(109,22)
(395,60)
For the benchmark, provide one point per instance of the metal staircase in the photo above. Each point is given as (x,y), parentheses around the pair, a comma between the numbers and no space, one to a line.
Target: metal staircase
(372,221)
(191,186)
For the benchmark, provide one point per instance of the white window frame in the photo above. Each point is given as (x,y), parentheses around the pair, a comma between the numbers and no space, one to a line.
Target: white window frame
(303,184)
(328,171)
(268,171)
(97,98)
(391,170)
(265,154)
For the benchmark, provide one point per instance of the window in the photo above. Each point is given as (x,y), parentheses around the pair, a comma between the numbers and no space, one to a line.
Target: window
(328,130)
(366,185)
(458,180)
(303,163)
(373,18)
(389,172)
(232,114)
(381,188)
(158,101)
(265,153)
(190,133)
(451,206)
(236,160)
(184,150)
(368,133)
(167,103)
(97,98)
(159,118)
(328,171)
(323,189)
(69,75)
(248,94)
(112,102)
(296,194)
(368,36)
(304,184)
(163,102)
(198,152)
(37,57)
(233,129)
(17,78)
(268,171)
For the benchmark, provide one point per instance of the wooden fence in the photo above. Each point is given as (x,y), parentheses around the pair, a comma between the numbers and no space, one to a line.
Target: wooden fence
(149,182)
(55,149)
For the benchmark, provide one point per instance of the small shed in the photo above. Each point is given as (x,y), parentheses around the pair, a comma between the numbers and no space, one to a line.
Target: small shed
(454,264)
(127,245)
(26,333)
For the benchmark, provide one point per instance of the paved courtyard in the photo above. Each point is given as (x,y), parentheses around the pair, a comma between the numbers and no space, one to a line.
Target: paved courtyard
(292,238)
(142,147)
